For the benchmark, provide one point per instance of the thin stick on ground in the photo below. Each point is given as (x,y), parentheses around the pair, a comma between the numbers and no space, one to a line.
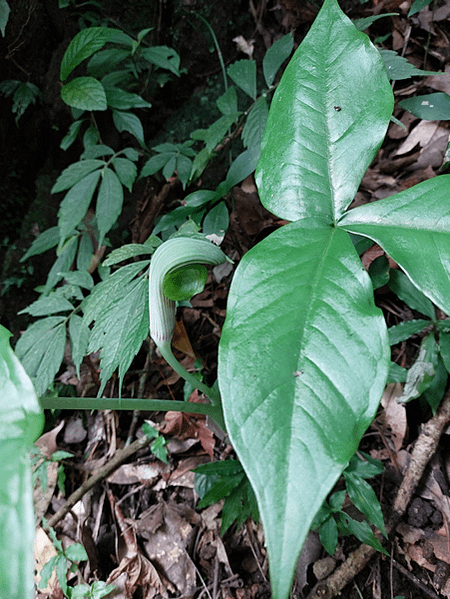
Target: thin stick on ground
(102,473)
(423,451)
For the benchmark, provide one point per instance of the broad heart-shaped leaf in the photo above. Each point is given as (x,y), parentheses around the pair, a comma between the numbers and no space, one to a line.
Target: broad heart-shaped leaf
(328,117)
(413,227)
(303,361)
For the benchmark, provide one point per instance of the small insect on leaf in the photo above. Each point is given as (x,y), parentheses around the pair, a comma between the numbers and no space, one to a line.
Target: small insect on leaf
(337,108)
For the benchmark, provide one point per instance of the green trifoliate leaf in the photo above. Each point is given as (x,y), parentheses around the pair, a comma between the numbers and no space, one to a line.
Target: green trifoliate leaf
(130,251)
(41,350)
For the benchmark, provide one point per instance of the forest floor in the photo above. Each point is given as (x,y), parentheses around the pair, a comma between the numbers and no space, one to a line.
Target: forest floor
(139,523)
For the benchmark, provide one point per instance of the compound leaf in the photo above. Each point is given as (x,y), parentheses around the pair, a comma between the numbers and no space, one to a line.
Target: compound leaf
(300,311)
(120,330)
(318,126)
(74,173)
(126,121)
(41,350)
(413,228)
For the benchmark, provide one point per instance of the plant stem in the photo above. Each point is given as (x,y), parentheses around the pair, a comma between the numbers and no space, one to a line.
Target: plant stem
(118,403)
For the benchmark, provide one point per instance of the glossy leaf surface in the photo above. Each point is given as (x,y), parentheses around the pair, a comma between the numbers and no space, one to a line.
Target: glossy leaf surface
(413,228)
(296,404)
(328,117)
(304,353)
(21,422)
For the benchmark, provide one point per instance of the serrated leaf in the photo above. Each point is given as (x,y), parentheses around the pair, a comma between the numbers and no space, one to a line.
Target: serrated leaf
(126,121)
(227,102)
(126,171)
(412,228)
(255,124)
(429,107)
(105,61)
(52,304)
(120,331)
(85,93)
(323,140)
(24,95)
(96,150)
(79,278)
(75,204)
(84,44)
(121,100)
(130,251)
(44,242)
(109,202)
(163,57)
(62,264)
(404,330)
(243,73)
(110,291)
(280,403)
(215,133)
(41,350)
(275,56)
(131,154)
(398,67)
(85,252)
(75,173)
(79,340)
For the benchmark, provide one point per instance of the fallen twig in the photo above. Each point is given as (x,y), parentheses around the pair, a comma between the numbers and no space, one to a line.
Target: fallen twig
(102,473)
(422,453)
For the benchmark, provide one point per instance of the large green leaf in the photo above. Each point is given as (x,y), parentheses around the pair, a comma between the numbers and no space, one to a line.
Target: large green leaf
(413,228)
(303,361)
(84,93)
(328,117)
(21,422)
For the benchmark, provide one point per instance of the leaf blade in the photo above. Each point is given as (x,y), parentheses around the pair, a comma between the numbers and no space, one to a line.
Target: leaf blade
(323,140)
(275,399)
